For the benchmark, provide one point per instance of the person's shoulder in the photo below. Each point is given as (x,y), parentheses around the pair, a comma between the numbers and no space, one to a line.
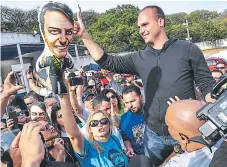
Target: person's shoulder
(125,115)
(184,43)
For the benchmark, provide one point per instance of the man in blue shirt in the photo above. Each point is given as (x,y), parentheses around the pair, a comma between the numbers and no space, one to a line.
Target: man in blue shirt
(132,122)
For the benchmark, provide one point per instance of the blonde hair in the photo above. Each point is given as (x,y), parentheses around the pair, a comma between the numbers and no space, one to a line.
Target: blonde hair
(99,148)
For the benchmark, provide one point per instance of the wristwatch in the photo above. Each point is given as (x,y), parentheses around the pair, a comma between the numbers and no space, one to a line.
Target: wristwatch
(177,149)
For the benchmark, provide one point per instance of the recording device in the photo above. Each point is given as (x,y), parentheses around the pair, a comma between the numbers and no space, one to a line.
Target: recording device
(30,69)
(74,80)
(215,116)
(13,115)
(17,75)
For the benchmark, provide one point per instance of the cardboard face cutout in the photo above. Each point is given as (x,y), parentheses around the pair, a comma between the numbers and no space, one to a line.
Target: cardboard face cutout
(56,27)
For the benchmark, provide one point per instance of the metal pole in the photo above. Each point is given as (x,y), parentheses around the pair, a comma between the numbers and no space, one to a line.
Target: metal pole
(77,56)
(187,27)
(22,68)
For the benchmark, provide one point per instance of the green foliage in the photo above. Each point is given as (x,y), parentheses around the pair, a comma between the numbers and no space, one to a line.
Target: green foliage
(202,15)
(18,20)
(177,18)
(116,29)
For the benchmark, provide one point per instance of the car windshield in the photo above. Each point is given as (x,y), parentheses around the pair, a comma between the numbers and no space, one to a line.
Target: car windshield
(210,62)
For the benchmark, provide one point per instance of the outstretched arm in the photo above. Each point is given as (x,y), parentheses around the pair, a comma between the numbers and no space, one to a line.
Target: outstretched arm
(118,64)
(76,138)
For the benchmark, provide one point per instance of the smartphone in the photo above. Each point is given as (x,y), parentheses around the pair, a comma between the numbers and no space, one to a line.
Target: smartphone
(76,81)
(13,115)
(17,75)
(30,69)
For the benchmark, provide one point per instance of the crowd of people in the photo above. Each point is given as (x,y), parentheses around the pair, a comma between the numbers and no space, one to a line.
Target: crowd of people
(138,110)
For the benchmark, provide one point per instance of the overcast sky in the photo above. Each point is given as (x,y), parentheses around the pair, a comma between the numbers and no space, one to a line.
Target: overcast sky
(169,7)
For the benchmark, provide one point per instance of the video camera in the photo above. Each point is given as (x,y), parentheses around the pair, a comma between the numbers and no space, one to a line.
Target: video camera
(215,116)
(74,80)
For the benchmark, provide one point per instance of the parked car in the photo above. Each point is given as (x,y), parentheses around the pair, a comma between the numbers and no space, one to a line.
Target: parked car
(212,61)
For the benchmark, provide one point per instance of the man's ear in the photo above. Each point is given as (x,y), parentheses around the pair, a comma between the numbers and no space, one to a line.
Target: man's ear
(161,22)
(141,98)
(184,138)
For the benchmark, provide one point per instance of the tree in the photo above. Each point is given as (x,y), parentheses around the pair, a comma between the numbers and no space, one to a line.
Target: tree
(178,18)
(18,20)
(89,17)
(202,15)
(177,31)
(116,29)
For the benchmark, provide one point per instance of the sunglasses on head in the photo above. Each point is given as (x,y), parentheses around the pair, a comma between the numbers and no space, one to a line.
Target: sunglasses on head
(103,121)
(113,97)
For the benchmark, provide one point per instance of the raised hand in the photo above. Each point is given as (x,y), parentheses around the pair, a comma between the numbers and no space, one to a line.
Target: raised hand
(30,144)
(79,28)
(9,123)
(9,87)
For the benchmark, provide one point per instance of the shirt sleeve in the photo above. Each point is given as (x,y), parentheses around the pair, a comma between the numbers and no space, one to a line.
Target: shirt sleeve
(87,146)
(119,64)
(202,74)
(86,114)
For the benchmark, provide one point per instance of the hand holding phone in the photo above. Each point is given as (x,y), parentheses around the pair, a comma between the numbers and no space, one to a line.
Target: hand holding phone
(17,75)
(12,118)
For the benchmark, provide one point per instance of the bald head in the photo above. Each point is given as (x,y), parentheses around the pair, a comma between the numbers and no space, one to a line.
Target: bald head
(181,118)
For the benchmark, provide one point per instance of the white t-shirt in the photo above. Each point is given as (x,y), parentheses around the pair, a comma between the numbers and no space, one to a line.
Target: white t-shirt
(198,158)
(85,114)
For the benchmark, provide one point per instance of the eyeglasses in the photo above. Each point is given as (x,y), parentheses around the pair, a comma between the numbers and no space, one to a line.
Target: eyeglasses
(103,121)
(220,68)
(22,112)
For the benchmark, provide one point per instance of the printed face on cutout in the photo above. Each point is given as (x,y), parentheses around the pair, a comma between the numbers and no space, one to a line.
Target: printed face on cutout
(58,32)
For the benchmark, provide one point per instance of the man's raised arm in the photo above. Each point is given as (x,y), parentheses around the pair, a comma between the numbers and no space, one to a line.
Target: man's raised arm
(119,64)
(92,46)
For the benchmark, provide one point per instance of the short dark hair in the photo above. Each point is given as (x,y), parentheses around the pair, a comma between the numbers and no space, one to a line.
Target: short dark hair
(131,88)
(19,103)
(220,63)
(40,105)
(57,6)
(99,99)
(32,94)
(159,12)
